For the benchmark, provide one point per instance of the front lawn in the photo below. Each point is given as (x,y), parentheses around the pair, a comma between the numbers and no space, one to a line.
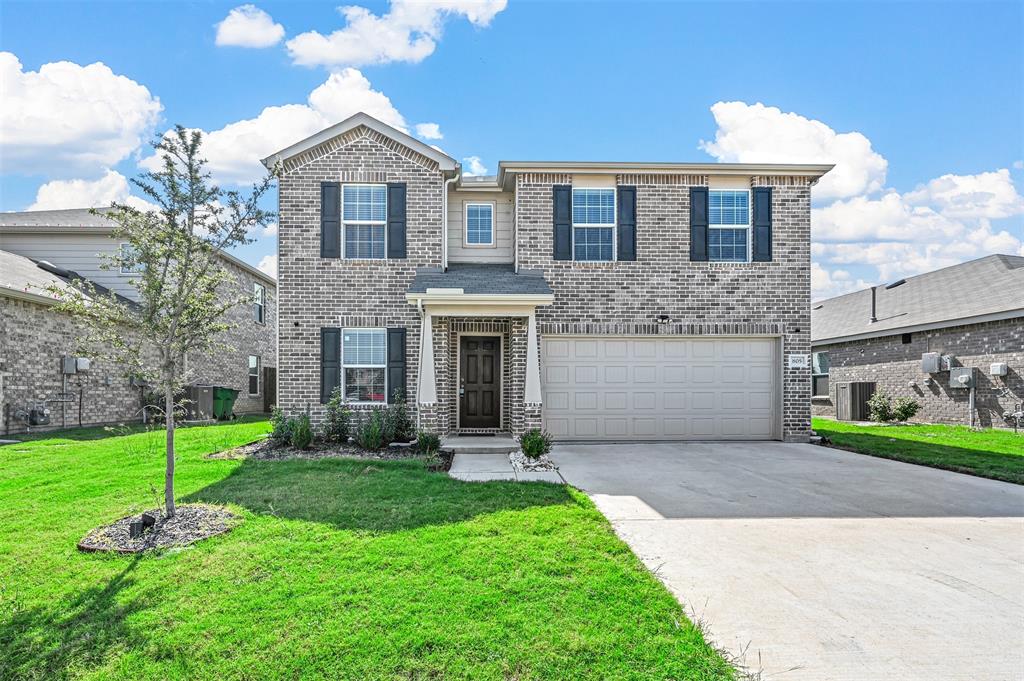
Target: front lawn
(341,569)
(997,454)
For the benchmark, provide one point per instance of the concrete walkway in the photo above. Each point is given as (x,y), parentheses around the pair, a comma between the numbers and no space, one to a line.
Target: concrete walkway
(479,467)
(820,563)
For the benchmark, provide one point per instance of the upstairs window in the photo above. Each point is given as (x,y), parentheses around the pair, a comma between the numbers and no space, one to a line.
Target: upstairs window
(364,210)
(364,360)
(129,263)
(819,374)
(259,305)
(593,224)
(479,224)
(729,225)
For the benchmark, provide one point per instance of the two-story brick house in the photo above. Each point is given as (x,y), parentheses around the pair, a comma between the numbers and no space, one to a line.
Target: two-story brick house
(601,301)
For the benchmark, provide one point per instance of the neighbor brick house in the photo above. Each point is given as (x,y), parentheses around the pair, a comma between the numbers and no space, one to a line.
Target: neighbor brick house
(600,301)
(972,314)
(41,248)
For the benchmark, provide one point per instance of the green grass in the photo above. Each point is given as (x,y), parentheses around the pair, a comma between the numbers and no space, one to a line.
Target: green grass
(341,569)
(996,454)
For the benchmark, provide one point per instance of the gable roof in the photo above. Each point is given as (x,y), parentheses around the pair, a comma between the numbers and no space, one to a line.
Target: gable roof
(28,279)
(82,220)
(988,288)
(442,159)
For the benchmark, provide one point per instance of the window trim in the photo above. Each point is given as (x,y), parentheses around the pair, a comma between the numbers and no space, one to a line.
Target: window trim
(465,224)
(749,227)
(345,366)
(259,377)
(260,302)
(826,375)
(345,223)
(613,227)
(120,254)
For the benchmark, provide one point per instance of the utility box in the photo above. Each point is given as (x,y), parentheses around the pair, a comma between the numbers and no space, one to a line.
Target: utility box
(961,377)
(69,365)
(930,363)
(998,369)
(83,363)
(852,400)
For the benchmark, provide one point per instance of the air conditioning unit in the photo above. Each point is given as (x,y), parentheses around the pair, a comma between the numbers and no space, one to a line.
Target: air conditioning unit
(998,369)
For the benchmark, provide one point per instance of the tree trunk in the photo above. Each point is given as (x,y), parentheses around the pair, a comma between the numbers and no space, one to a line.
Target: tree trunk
(169,476)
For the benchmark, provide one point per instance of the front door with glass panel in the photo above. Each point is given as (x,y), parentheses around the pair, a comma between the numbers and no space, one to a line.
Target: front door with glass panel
(480,382)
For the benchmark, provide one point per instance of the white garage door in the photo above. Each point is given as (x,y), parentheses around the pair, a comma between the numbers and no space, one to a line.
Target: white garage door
(682,388)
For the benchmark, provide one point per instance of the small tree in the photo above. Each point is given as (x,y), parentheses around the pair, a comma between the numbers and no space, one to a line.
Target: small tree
(183,288)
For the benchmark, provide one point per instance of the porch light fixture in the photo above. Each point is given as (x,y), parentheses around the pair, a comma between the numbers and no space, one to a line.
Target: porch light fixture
(662,319)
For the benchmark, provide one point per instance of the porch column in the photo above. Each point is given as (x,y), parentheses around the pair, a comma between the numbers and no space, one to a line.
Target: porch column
(425,386)
(532,363)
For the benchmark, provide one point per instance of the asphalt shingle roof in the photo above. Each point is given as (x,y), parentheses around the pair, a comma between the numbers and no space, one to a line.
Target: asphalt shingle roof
(71,217)
(989,285)
(481,279)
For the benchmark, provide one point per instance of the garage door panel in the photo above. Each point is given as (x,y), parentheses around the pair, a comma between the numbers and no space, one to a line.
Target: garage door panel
(659,388)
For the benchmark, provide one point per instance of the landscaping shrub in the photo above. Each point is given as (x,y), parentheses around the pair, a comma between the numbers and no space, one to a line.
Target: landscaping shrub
(281,427)
(302,432)
(370,433)
(337,419)
(427,443)
(398,426)
(904,408)
(535,443)
(880,407)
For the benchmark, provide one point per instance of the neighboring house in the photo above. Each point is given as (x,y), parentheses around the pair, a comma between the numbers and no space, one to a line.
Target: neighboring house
(600,301)
(972,313)
(66,245)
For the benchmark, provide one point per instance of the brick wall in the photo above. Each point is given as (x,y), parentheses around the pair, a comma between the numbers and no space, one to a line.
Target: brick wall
(33,339)
(700,298)
(314,292)
(230,367)
(893,366)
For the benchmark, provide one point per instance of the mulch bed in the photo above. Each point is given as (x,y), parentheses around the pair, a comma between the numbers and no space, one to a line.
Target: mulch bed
(268,450)
(191,522)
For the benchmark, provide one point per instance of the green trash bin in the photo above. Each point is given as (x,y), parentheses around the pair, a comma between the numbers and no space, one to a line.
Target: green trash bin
(224,402)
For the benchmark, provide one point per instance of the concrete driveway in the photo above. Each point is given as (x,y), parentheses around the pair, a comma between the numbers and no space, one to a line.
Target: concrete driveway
(822,564)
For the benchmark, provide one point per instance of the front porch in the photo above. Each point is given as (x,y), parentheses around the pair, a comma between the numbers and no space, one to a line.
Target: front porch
(480,374)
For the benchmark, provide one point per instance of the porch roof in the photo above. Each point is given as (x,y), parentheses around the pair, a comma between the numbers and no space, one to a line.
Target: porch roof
(480,280)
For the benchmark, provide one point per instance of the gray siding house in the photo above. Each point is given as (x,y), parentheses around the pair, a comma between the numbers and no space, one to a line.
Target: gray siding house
(600,301)
(38,248)
(920,335)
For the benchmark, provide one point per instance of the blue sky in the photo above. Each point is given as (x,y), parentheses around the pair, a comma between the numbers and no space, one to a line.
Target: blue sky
(921,105)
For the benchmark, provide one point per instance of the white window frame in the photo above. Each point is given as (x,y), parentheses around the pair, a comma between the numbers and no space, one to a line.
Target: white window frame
(613,226)
(120,254)
(259,292)
(344,223)
(748,227)
(259,377)
(465,224)
(826,374)
(345,366)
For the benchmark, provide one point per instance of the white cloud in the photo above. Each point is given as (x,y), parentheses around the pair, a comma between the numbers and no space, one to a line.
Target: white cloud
(407,33)
(985,195)
(828,283)
(234,151)
(475,166)
(67,120)
(268,265)
(755,133)
(429,131)
(270,230)
(248,26)
(113,186)
(889,216)
(1018,165)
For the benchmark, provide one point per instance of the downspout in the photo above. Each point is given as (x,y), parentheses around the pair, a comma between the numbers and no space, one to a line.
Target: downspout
(444,217)
(419,365)
(515,229)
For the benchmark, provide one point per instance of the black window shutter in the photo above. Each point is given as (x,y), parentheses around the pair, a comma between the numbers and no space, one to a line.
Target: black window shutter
(563,221)
(396,363)
(330,220)
(396,220)
(627,223)
(698,223)
(762,224)
(330,362)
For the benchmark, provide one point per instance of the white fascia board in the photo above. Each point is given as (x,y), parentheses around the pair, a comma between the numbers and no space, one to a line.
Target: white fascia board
(27,295)
(496,300)
(914,328)
(815,170)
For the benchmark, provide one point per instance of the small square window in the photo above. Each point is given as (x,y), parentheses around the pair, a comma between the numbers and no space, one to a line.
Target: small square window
(479,224)
(907,338)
